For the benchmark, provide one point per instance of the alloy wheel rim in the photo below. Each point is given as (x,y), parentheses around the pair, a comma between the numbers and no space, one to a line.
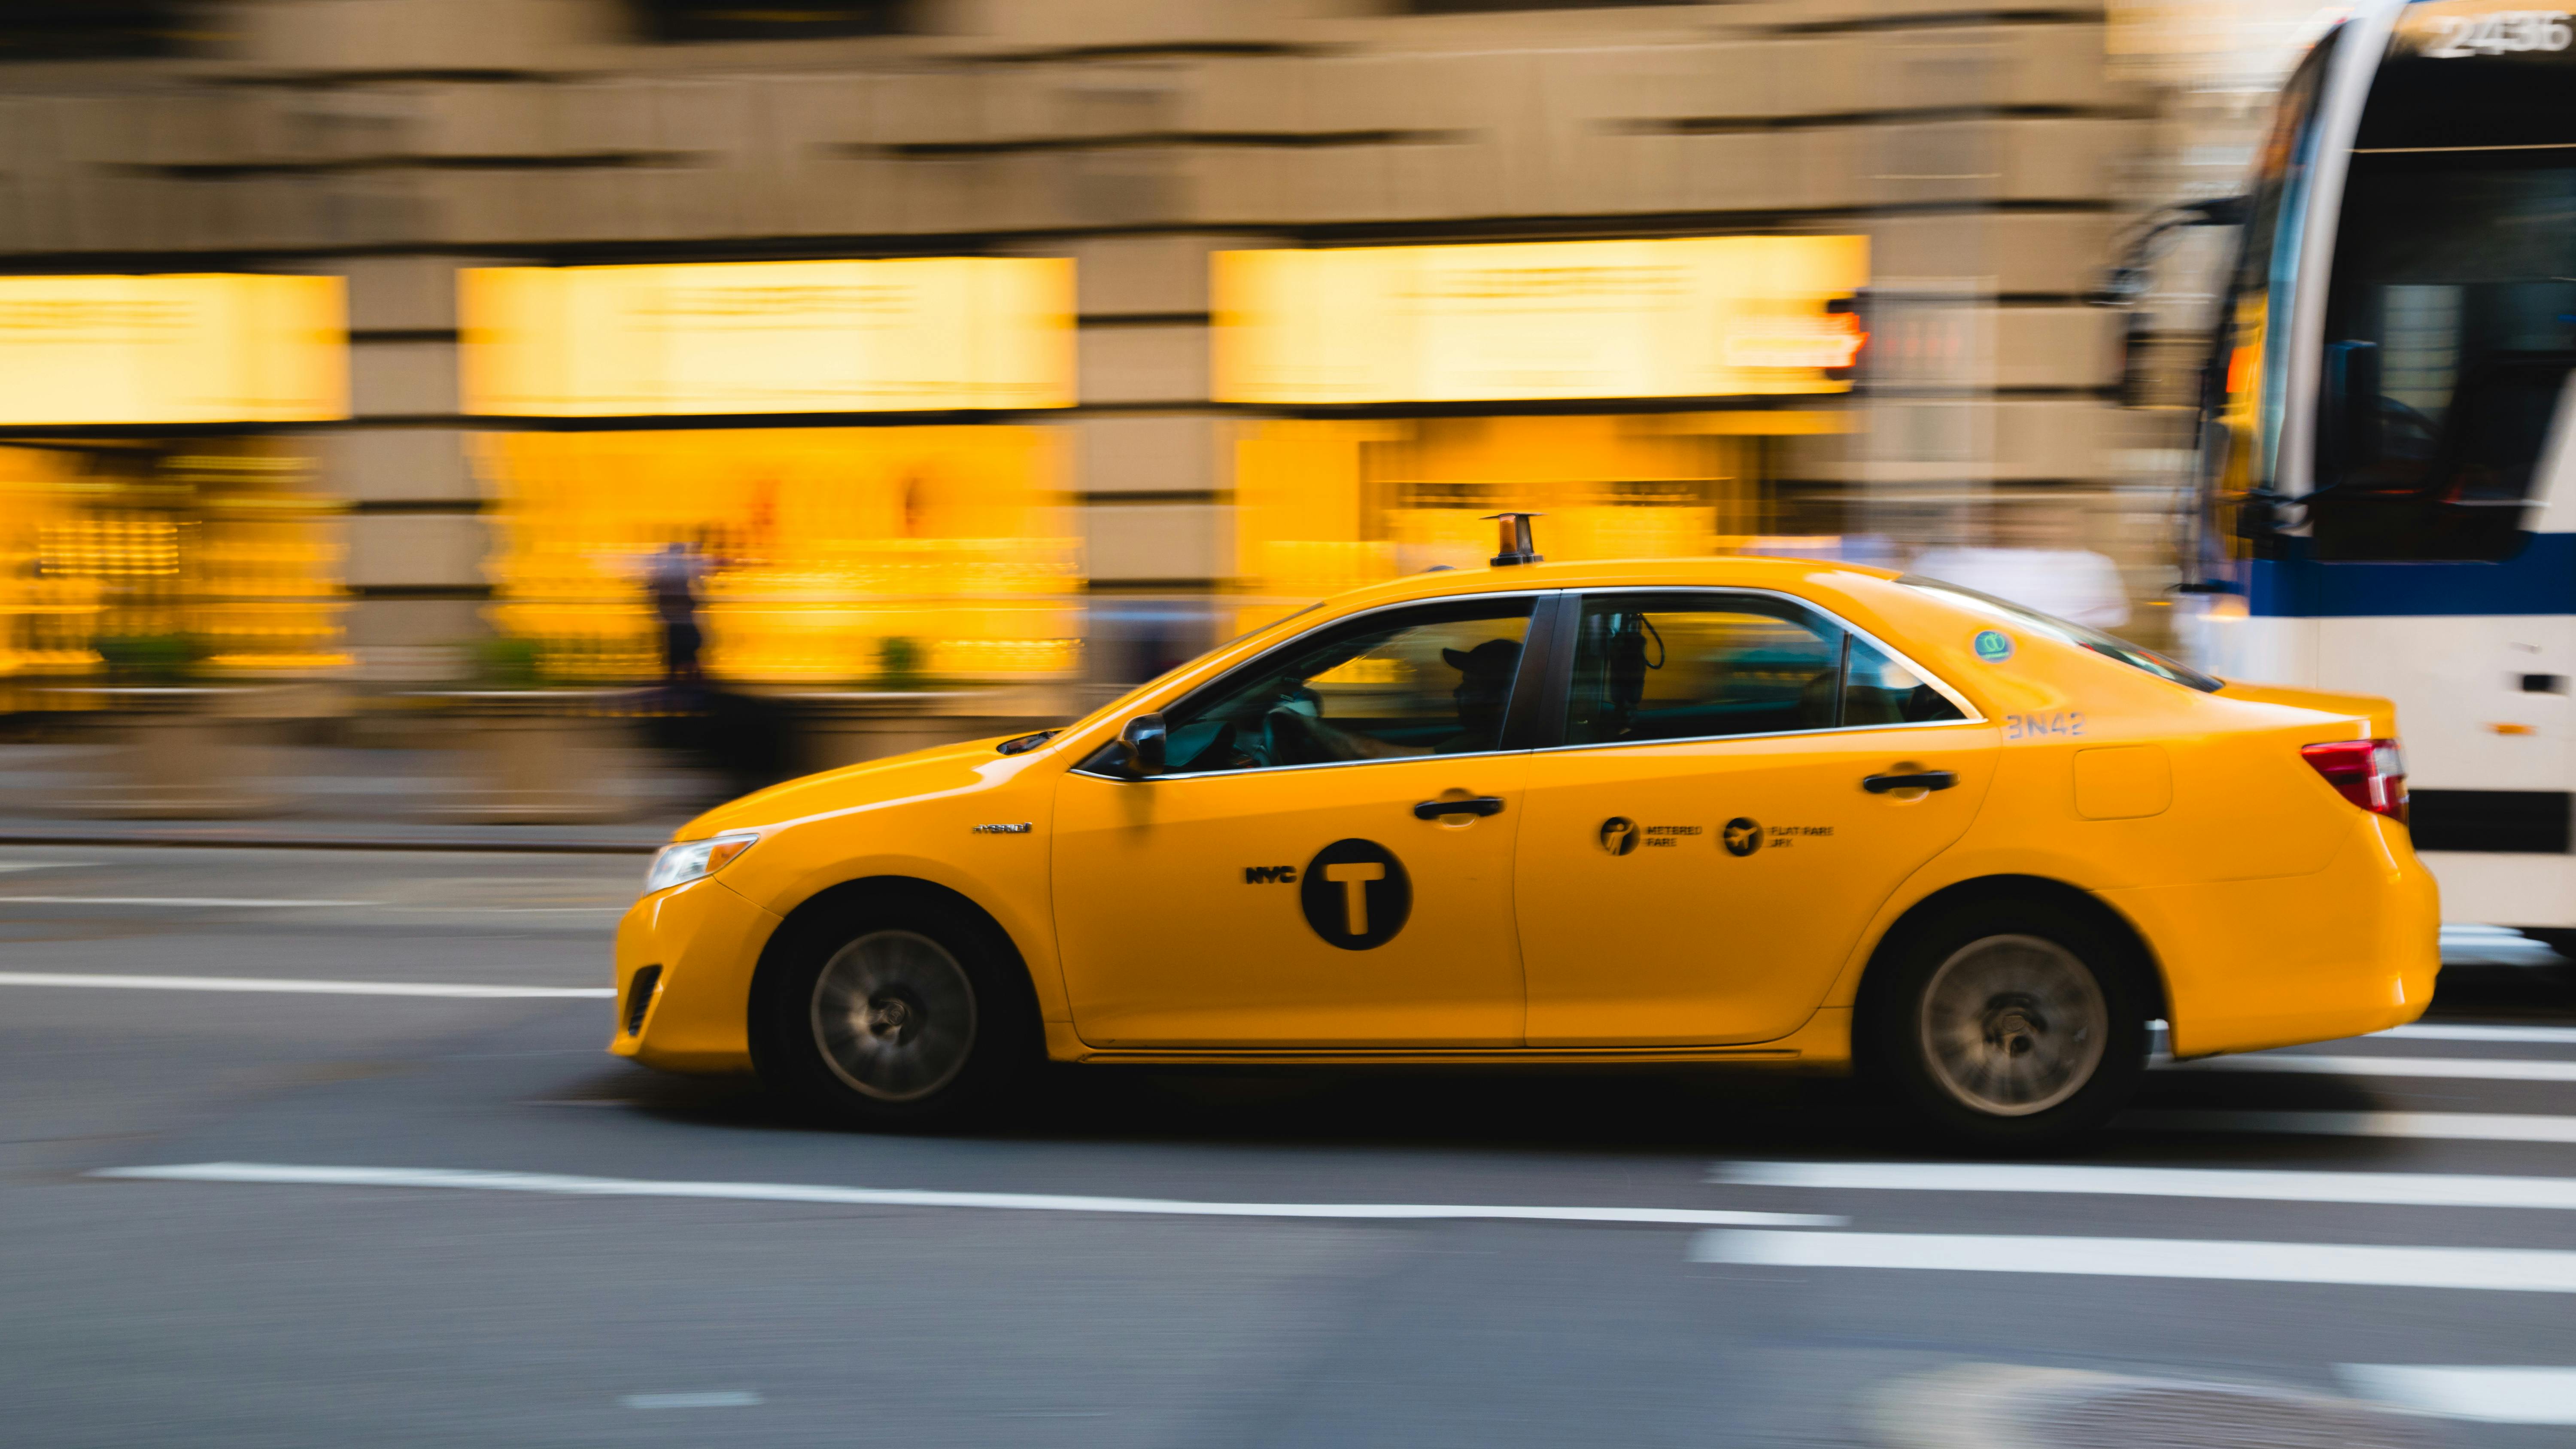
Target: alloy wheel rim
(894,1015)
(2013,1025)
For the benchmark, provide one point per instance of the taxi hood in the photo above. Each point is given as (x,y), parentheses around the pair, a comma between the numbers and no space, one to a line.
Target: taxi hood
(941,769)
(2381,713)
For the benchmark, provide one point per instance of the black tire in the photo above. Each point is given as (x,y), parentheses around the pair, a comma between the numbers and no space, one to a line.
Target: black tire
(2007,1024)
(894,1008)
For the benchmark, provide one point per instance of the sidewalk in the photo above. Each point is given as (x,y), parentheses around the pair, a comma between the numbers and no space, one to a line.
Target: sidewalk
(630,838)
(338,799)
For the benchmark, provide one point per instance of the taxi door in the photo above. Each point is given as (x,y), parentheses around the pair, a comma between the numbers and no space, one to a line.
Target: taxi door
(1741,784)
(1326,859)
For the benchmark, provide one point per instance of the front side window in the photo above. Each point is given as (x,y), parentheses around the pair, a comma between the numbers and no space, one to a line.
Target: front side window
(1649,667)
(1431,680)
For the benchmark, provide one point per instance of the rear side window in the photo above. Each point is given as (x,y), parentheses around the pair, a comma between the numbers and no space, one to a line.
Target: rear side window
(1666,667)
(1878,690)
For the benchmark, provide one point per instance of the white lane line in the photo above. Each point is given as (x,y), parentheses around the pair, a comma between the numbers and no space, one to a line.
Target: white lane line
(547,1182)
(2400,1189)
(2468,1069)
(185,901)
(2438,1031)
(2432,1126)
(294,985)
(708,1399)
(2494,1395)
(2503,1270)
(7,866)
(513,910)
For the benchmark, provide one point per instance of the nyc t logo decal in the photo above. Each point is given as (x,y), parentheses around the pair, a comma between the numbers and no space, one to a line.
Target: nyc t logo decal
(1355,894)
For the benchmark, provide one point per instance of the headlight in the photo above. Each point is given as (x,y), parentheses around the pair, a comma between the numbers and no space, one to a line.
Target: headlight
(687,861)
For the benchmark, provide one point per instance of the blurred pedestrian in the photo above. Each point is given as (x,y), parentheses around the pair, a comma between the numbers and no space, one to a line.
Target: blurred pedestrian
(672,580)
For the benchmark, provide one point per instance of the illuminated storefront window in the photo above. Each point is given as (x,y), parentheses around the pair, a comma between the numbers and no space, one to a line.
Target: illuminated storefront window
(871,555)
(1333,503)
(172,554)
(1324,506)
(208,556)
(892,555)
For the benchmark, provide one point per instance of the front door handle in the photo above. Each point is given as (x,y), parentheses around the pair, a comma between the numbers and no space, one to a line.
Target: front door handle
(1434,809)
(1919,780)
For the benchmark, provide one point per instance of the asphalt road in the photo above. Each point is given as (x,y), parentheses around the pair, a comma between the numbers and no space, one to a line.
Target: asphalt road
(438,1219)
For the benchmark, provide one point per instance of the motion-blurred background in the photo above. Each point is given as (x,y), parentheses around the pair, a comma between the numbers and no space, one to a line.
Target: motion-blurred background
(565,410)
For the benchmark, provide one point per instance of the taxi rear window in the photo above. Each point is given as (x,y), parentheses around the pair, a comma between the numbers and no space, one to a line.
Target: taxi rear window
(2072,633)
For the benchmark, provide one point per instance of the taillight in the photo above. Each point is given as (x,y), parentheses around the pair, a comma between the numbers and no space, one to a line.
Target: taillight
(2369,773)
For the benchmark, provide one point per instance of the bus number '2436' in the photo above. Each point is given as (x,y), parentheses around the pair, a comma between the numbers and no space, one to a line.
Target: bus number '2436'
(2500,32)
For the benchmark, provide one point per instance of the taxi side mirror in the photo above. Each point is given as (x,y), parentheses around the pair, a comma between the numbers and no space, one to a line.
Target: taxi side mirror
(1142,741)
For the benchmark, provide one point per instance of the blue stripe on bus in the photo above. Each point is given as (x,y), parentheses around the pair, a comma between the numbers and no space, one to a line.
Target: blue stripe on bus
(2541,579)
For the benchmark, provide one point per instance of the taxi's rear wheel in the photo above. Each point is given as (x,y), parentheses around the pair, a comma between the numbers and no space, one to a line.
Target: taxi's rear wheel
(894,1009)
(2009,1023)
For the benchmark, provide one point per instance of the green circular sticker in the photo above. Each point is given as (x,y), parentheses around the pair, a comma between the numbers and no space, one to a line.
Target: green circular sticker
(1993,647)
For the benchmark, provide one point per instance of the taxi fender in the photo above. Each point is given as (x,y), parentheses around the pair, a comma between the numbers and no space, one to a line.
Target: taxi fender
(1966,866)
(1029,923)
(961,817)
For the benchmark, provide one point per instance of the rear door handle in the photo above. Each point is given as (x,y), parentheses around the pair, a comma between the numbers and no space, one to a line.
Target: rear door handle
(1919,780)
(1434,809)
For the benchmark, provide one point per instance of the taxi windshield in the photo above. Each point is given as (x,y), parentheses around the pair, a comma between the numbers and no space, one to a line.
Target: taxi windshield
(2072,633)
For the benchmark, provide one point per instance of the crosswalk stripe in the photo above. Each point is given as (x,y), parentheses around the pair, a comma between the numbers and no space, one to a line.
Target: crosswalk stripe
(2433,1126)
(2446,1031)
(2494,1395)
(2502,1270)
(2400,1189)
(2467,1069)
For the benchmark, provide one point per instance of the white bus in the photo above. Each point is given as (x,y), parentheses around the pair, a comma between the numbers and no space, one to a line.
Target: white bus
(2387,474)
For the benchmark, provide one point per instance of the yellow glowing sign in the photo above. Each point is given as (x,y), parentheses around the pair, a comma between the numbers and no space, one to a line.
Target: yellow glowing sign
(213,348)
(925,335)
(1689,317)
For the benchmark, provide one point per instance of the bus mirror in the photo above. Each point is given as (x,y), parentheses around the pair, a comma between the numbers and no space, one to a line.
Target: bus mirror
(2129,277)
(2121,286)
(2220,211)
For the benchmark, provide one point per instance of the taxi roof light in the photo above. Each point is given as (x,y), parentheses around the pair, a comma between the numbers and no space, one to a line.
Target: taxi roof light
(2369,773)
(1515,546)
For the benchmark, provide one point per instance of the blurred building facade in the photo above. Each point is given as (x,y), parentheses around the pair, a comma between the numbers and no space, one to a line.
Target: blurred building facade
(1983,161)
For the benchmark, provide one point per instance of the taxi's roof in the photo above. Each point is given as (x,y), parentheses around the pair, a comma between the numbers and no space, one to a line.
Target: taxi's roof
(1742,570)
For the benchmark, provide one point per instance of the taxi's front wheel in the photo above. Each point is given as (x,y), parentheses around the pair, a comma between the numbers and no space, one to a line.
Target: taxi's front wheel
(2009,1024)
(896,1009)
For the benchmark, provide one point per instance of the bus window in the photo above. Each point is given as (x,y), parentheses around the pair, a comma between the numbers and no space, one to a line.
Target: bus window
(2451,314)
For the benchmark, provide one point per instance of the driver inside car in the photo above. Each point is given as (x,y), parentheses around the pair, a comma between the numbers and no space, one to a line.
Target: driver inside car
(1300,735)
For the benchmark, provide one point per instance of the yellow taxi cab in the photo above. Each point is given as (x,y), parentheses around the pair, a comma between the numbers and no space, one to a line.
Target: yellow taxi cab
(1698,811)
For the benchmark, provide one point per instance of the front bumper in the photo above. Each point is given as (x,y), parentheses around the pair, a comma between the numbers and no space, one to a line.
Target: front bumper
(706,939)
